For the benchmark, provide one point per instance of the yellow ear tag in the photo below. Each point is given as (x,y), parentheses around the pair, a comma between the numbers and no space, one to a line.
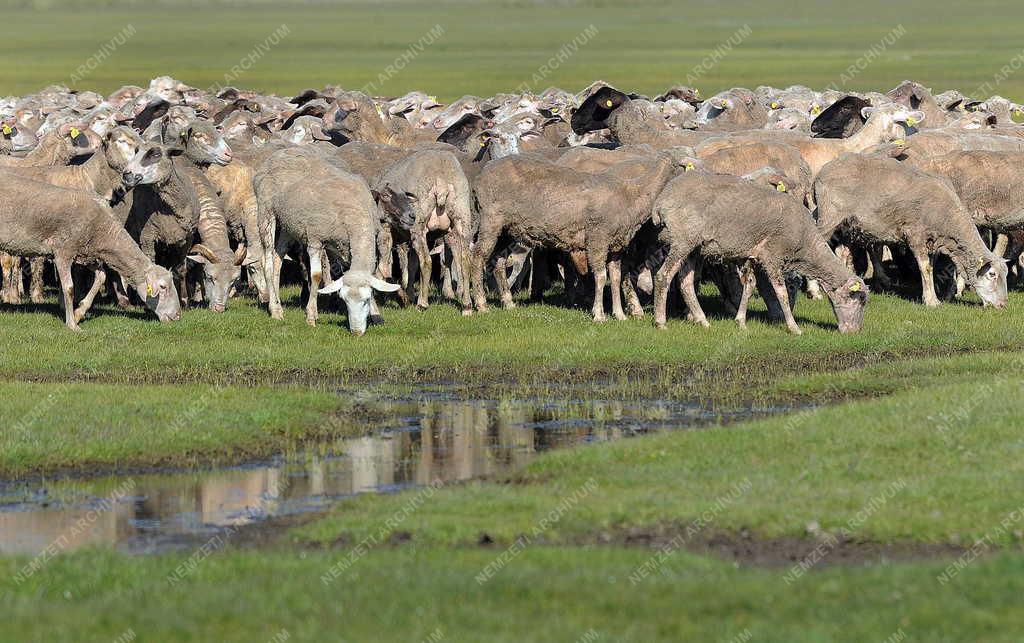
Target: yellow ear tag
(689,166)
(855,286)
(774,105)
(149,290)
(911,121)
(816,110)
(607,103)
(483,143)
(781,187)
(74,132)
(432,99)
(899,142)
(7,129)
(554,110)
(696,92)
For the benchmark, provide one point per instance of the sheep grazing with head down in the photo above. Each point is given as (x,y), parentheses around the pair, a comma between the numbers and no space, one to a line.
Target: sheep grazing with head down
(873,199)
(321,207)
(734,219)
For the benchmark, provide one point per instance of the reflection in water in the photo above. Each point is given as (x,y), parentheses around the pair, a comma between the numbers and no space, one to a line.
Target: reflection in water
(421,441)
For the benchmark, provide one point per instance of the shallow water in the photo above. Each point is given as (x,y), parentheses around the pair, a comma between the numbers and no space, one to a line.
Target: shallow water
(419,441)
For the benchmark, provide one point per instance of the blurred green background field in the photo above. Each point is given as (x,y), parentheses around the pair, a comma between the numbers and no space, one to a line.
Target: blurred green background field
(491,46)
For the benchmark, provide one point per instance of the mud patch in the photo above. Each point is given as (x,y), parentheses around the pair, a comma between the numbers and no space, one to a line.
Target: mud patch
(748,549)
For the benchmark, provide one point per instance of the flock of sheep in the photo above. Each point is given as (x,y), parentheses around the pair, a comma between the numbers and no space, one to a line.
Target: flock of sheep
(170,195)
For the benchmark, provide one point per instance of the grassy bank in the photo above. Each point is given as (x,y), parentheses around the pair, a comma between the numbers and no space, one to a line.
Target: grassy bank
(84,428)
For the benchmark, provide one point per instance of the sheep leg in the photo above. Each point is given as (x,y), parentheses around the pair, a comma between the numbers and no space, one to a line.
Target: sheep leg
(11,270)
(615,281)
(688,284)
(485,242)
(878,267)
(924,264)
(256,249)
(67,291)
(747,279)
(117,288)
(422,250)
(662,280)
(501,279)
(37,266)
(461,259)
(99,278)
(778,283)
(447,291)
(314,250)
(597,257)
(632,300)
(272,266)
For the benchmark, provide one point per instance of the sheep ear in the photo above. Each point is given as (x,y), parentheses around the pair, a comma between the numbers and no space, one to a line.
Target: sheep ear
(381,285)
(200,259)
(333,287)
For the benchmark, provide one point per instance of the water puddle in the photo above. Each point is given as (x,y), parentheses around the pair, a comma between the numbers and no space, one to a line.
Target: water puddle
(419,441)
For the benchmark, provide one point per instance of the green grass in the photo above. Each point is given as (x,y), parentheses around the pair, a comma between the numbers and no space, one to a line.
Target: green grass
(494,46)
(531,342)
(544,594)
(931,396)
(85,427)
(147,394)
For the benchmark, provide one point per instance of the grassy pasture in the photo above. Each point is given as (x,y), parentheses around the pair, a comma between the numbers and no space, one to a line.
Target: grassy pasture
(493,46)
(926,398)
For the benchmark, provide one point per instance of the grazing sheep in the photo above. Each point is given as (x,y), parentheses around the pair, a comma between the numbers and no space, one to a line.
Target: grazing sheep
(38,219)
(321,207)
(877,199)
(733,219)
(536,201)
(440,194)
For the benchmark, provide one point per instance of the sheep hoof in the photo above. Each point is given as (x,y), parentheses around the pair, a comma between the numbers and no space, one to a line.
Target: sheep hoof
(796,331)
(311,321)
(704,323)
(467,312)
(421,307)
(660,325)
